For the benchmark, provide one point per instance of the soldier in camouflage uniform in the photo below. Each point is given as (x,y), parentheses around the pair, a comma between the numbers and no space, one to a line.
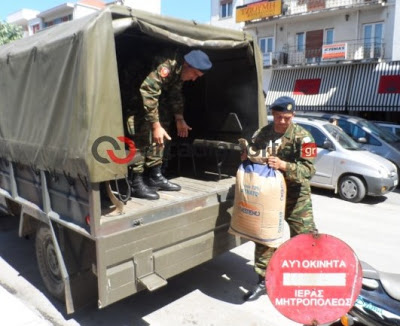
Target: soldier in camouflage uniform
(295,159)
(154,104)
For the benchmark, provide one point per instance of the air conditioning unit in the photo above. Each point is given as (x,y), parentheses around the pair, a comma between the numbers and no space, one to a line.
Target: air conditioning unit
(274,58)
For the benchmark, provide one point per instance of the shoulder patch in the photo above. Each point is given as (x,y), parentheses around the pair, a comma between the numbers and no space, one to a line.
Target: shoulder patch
(164,72)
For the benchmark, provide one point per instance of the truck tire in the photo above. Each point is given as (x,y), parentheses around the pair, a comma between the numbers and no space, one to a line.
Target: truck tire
(48,263)
(351,188)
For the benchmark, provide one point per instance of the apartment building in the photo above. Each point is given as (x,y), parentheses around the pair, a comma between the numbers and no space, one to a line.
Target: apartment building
(330,55)
(32,21)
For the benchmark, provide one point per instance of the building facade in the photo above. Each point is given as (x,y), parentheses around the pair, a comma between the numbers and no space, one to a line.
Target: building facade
(330,55)
(32,21)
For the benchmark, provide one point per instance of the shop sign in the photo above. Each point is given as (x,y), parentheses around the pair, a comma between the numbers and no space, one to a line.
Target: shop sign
(336,51)
(258,10)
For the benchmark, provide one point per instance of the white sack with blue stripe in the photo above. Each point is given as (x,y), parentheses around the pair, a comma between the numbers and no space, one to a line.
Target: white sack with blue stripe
(259,206)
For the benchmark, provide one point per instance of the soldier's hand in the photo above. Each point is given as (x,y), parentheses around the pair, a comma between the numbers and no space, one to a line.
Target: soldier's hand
(182,128)
(276,163)
(159,134)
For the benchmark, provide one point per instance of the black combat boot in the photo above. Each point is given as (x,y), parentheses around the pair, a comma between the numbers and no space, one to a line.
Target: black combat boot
(158,181)
(258,290)
(140,189)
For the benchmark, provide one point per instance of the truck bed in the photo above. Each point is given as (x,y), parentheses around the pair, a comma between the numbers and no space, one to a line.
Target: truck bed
(164,237)
(194,194)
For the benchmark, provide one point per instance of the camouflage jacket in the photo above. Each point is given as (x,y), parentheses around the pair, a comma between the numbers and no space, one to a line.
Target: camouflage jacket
(146,91)
(162,88)
(297,148)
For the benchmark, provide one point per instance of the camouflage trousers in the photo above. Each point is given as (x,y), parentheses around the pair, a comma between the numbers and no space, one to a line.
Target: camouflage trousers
(148,154)
(299,216)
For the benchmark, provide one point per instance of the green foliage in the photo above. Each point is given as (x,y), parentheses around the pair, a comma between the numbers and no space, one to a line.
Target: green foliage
(9,32)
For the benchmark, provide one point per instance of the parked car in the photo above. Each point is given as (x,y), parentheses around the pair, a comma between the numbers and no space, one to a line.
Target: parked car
(370,136)
(344,166)
(392,127)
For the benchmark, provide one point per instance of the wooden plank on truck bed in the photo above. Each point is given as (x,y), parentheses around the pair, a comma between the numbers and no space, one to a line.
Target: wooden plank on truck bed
(194,193)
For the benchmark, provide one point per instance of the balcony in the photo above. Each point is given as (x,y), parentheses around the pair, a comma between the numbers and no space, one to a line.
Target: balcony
(345,51)
(303,6)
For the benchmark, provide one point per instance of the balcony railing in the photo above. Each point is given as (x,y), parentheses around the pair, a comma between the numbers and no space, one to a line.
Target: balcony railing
(302,6)
(333,53)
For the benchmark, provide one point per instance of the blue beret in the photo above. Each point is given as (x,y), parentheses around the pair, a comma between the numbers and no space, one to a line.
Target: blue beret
(198,60)
(283,104)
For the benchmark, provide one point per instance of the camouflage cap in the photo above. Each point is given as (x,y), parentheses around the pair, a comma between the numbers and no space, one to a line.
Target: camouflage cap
(283,104)
(198,60)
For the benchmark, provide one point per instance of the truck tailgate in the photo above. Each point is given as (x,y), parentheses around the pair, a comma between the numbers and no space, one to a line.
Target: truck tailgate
(162,238)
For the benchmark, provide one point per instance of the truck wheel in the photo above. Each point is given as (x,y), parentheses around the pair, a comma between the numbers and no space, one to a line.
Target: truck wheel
(351,188)
(48,263)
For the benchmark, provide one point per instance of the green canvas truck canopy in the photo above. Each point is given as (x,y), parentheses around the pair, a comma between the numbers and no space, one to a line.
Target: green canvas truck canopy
(59,89)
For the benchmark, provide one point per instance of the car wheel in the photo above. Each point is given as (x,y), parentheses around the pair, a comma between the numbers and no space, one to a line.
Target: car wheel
(351,188)
(48,263)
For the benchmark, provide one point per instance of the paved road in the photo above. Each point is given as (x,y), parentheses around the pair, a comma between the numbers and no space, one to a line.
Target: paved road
(207,295)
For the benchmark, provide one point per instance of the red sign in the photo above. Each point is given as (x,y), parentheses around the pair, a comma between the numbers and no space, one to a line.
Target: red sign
(389,84)
(306,86)
(313,279)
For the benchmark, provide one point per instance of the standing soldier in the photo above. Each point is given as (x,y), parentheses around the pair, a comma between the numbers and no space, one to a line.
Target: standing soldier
(295,159)
(152,107)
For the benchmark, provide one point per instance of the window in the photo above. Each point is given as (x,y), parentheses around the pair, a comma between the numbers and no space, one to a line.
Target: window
(300,42)
(58,20)
(267,49)
(48,24)
(329,36)
(226,9)
(267,44)
(357,132)
(318,136)
(35,28)
(373,37)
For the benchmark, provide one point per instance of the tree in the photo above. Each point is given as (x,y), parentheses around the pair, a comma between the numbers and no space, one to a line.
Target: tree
(9,32)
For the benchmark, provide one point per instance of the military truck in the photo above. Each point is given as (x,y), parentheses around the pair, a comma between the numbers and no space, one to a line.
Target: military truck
(63,167)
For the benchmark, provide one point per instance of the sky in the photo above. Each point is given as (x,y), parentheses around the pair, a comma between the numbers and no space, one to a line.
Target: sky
(199,10)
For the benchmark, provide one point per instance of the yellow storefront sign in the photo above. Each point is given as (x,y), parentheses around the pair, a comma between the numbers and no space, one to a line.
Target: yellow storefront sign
(258,10)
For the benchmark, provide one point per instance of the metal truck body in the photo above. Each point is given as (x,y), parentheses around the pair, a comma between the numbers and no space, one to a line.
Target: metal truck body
(60,93)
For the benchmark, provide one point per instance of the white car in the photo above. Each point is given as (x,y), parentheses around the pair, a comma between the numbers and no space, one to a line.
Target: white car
(366,133)
(343,166)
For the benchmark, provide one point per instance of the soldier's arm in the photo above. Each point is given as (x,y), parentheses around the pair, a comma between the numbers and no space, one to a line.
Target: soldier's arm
(150,90)
(303,166)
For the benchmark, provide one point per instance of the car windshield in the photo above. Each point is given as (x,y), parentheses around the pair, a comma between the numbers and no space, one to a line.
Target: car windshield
(342,138)
(380,132)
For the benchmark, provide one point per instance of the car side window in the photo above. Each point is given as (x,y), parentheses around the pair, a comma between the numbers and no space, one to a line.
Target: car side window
(373,141)
(318,136)
(359,133)
(346,127)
